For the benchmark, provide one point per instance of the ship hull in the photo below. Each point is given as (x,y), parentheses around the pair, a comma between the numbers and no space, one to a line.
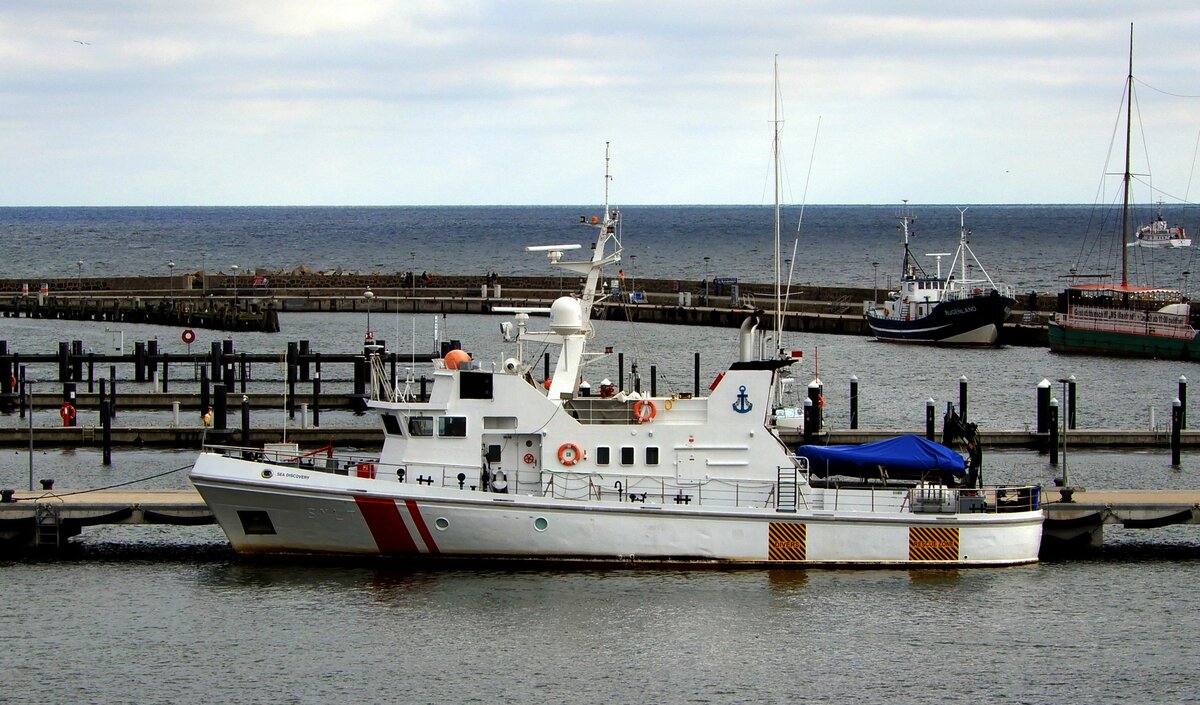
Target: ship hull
(1066,339)
(972,321)
(313,512)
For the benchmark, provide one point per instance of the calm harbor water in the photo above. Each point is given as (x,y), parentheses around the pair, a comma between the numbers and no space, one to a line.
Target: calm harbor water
(167,614)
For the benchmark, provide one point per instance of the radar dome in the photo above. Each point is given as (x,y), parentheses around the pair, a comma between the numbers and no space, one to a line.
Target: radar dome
(566,316)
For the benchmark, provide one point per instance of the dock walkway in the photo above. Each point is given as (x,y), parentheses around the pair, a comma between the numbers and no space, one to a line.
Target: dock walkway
(47,519)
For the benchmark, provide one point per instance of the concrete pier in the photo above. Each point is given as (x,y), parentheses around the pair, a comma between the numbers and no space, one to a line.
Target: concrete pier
(1079,523)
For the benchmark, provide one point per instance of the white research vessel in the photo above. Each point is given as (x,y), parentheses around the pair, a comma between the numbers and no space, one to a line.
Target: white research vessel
(495,465)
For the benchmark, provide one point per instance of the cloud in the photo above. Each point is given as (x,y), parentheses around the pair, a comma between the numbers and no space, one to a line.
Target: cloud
(511,102)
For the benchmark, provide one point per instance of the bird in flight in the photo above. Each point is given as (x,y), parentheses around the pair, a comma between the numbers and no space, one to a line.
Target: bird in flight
(77,41)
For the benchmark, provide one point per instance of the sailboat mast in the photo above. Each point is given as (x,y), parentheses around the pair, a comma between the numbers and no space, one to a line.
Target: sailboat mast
(775,149)
(1125,196)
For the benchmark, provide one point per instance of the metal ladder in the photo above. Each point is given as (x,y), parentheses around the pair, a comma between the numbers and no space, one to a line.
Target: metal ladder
(47,526)
(786,496)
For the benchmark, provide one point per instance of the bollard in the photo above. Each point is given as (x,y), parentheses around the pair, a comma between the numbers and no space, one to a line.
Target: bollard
(77,360)
(1053,444)
(214,361)
(304,415)
(302,356)
(106,425)
(316,396)
(91,375)
(1182,402)
(166,375)
(1043,406)
(205,391)
(962,398)
(929,404)
(853,402)
(818,404)
(69,410)
(809,420)
(620,370)
(139,361)
(220,407)
(1071,402)
(695,374)
(242,371)
(64,361)
(175,414)
(245,421)
(1176,428)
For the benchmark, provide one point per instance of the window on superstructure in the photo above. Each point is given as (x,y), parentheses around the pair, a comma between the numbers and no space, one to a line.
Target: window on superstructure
(392,425)
(452,426)
(627,455)
(652,455)
(602,455)
(420,426)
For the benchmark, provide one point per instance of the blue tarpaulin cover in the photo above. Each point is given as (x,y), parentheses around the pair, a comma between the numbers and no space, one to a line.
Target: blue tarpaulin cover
(906,455)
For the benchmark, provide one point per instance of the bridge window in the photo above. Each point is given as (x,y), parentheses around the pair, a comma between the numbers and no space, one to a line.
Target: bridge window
(627,455)
(420,426)
(452,426)
(392,425)
(602,455)
(652,455)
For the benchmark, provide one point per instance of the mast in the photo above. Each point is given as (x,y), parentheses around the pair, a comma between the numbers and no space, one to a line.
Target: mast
(1125,194)
(775,149)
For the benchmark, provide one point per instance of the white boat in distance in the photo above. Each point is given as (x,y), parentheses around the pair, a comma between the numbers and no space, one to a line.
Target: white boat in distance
(496,464)
(1159,234)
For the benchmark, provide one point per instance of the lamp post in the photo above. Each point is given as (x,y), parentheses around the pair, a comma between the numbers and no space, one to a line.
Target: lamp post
(412,281)
(706,261)
(875,282)
(369,338)
(171,275)
(79,275)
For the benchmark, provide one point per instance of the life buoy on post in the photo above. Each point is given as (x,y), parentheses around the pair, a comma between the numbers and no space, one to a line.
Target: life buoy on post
(188,336)
(644,410)
(67,412)
(569,454)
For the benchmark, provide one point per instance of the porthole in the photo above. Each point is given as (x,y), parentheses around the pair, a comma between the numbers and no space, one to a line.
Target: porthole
(540,523)
(442,523)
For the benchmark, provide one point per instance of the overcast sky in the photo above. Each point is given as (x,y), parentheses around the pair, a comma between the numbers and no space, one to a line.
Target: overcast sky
(244,102)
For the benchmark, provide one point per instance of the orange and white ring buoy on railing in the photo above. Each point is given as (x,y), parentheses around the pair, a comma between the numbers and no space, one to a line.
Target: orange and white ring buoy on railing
(644,410)
(569,454)
(67,412)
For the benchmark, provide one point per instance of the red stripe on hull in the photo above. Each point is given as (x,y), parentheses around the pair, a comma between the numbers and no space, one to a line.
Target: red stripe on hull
(386,525)
(421,527)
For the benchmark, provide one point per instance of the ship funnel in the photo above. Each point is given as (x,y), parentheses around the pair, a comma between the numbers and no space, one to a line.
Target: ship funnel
(747,337)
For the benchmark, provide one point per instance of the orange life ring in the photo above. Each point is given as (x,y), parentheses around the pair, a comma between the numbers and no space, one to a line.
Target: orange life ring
(569,454)
(67,412)
(644,410)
